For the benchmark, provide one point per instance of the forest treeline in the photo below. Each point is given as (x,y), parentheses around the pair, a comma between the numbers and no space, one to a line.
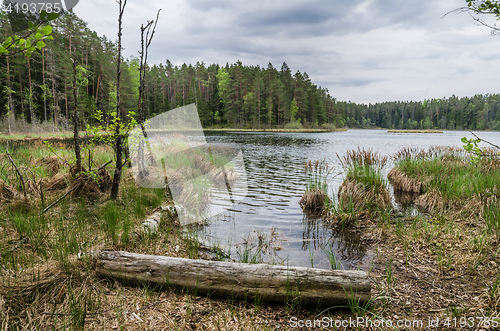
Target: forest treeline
(39,89)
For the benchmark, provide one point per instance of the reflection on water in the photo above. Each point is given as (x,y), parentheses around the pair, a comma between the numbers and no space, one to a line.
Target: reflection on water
(344,244)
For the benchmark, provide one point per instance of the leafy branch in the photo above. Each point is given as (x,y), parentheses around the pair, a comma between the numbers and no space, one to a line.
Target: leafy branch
(481,7)
(472,147)
(33,39)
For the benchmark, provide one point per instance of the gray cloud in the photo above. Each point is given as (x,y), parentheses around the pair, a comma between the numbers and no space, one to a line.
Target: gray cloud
(362,50)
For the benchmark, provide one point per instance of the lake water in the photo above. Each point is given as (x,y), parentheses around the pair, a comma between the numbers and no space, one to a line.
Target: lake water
(274,165)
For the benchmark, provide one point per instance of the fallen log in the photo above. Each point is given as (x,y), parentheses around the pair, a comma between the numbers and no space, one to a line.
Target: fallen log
(269,283)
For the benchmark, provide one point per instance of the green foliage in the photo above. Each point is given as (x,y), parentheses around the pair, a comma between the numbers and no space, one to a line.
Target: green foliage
(295,125)
(485,7)
(33,40)
(233,95)
(471,146)
(294,108)
(107,134)
(224,85)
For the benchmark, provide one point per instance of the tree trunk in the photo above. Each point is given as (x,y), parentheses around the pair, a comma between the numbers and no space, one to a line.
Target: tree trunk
(75,122)
(272,283)
(44,87)
(66,100)
(119,139)
(10,103)
(30,97)
(22,98)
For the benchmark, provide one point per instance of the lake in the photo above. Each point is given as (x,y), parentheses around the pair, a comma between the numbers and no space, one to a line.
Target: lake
(274,165)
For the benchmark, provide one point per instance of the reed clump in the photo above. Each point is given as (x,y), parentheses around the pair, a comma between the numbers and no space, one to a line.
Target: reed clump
(402,183)
(447,179)
(364,187)
(315,197)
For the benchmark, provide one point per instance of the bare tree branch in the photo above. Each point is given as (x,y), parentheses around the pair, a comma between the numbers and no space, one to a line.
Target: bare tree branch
(491,144)
(17,170)
(494,29)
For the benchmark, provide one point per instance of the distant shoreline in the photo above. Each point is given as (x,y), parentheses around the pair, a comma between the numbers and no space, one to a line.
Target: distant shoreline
(274,130)
(69,135)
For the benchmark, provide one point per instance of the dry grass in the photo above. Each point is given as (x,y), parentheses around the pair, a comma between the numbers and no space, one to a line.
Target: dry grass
(432,201)
(401,182)
(313,201)
(43,282)
(363,157)
(362,198)
(413,152)
(438,269)
(91,187)
(6,192)
(364,188)
(318,167)
(52,163)
(315,198)
(57,183)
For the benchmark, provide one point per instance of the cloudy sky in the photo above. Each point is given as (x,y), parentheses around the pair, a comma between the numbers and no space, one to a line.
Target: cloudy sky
(365,51)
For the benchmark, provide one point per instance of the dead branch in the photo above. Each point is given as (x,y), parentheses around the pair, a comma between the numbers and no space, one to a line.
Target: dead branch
(58,200)
(17,170)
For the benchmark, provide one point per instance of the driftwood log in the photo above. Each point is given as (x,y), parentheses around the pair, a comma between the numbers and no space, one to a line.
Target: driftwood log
(269,283)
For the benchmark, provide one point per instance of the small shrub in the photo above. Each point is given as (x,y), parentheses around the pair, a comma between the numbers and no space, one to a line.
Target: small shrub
(295,125)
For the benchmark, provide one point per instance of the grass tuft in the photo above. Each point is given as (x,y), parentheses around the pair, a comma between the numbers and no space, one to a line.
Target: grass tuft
(364,188)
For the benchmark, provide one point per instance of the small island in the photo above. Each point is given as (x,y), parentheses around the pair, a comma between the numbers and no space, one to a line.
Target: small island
(414,131)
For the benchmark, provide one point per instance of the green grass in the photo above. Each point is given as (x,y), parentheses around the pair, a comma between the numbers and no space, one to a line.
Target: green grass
(369,176)
(64,238)
(364,188)
(47,135)
(453,174)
